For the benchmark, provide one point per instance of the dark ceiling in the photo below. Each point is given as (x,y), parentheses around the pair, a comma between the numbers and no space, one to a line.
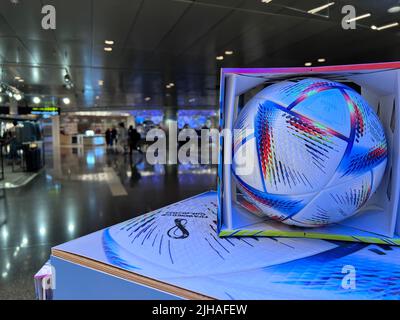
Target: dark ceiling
(163,41)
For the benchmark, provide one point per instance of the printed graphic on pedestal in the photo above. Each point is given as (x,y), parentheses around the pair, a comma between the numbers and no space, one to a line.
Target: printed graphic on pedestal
(317,149)
(182,238)
(178,245)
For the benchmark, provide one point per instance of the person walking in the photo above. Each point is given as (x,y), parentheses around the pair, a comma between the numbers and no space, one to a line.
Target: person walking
(123,138)
(108,137)
(114,136)
(133,139)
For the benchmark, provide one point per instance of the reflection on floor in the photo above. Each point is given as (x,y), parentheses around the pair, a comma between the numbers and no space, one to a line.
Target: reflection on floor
(82,191)
(16,179)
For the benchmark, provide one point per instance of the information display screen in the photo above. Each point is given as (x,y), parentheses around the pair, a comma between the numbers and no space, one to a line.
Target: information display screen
(48,111)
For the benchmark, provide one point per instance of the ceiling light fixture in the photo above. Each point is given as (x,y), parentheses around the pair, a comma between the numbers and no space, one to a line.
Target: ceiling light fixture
(107,49)
(68,83)
(171,84)
(321,60)
(21,80)
(391,25)
(394,9)
(11,92)
(228,52)
(359,17)
(266,1)
(147,99)
(109,42)
(315,10)
(66,100)
(101,82)
(308,64)
(17,78)
(36,100)
(220,58)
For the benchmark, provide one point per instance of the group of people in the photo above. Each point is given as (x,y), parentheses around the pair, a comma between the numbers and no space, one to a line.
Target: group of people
(123,139)
(111,137)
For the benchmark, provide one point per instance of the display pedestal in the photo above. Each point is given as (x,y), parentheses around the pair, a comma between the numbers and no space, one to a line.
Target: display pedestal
(175,253)
(105,283)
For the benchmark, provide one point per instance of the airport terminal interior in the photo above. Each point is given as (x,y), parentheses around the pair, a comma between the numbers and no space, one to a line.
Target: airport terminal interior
(79,95)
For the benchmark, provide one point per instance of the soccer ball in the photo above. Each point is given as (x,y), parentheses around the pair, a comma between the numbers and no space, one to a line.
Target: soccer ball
(308,152)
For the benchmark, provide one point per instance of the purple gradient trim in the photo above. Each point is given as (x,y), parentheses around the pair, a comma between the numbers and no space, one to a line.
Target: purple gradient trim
(350,67)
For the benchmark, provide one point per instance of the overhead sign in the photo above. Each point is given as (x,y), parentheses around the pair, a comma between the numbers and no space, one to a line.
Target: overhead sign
(45,111)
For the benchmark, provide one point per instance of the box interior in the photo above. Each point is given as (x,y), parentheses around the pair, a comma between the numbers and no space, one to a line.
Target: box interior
(381,89)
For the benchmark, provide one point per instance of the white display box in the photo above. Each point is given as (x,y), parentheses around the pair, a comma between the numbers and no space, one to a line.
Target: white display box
(377,221)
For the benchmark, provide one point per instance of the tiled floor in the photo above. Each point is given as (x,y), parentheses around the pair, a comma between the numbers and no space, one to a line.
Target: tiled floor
(82,191)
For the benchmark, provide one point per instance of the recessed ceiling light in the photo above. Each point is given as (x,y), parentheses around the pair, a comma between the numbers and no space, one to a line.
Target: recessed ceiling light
(97,97)
(36,100)
(394,9)
(168,86)
(220,58)
(17,97)
(147,99)
(318,9)
(321,60)
(101,82)
(228,52)
(109,42)
(21,80)
(171,84)
(17,78)
(192,100)
(359,17)
(308,64)
(374,27)
(266,1)
(108,49)
(66,100)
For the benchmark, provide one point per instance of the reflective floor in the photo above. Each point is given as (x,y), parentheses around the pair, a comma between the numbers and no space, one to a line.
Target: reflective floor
(82,191)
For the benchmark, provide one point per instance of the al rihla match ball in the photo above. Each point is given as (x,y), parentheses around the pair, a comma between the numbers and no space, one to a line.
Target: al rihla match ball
(316,149)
